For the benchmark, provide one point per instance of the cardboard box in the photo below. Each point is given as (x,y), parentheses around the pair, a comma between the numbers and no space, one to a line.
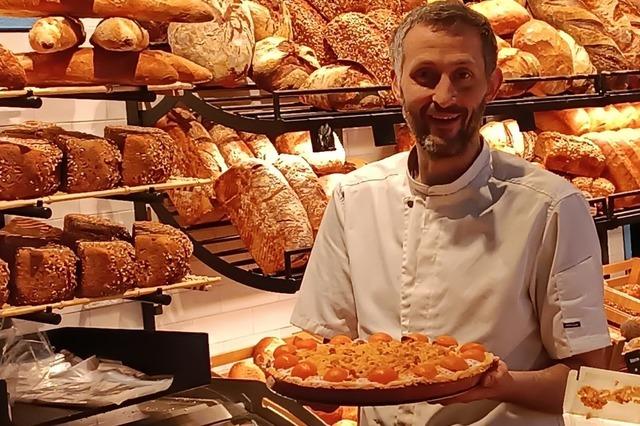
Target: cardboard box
(612,414)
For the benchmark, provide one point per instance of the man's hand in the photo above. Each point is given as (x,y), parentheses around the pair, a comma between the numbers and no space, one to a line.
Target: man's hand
(495,385)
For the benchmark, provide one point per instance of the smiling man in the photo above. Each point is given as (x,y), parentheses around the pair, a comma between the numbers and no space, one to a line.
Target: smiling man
(455,239)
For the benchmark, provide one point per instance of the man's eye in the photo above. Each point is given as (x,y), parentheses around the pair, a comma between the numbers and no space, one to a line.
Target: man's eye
(464,75)
(426,78)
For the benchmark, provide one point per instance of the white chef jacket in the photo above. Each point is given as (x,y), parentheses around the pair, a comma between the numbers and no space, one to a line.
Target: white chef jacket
(506,255)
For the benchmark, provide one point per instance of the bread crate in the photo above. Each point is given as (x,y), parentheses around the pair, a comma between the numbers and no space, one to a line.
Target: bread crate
(619,305)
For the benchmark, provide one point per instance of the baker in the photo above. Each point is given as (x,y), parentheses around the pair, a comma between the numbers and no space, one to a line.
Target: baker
(456,239)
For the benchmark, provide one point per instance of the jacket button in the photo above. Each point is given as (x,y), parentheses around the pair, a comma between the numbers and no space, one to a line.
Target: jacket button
(410,203)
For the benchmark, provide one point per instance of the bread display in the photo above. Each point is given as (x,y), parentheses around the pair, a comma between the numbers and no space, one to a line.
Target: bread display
(233,36)
(505,16)
(594,188)
(270,18)
(28,168)
(4,282)
(107,268)
(188,72)
(86,66)
(260,146)
(309,28)
(12,75)
(325,162)
(266,211)
(52,264)
(553,53)
(90,164)
(231,146)
(82,227)
(515,63)
(147,153)
(162,254)
(579,121)
(405,139)
(56,33)
(146,10)
(570,154)
(306,185)
(343,74)
(574,18)
(120,35)
(281,64)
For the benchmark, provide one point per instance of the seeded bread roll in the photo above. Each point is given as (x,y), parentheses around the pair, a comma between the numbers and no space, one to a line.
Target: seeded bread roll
(599,187)
(162,253)
(82,227)
(306,185)
(147,153)
(56,33)
(4,282)
(386,21)
(53,265)
(12,75)
(107,268)
(29,168)
(570,154)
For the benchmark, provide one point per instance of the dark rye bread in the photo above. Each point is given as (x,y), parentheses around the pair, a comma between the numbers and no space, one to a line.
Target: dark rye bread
(82,227)
(4,282)
(43,275)
(25,232)
(107,268)
(147,153)
(162,253)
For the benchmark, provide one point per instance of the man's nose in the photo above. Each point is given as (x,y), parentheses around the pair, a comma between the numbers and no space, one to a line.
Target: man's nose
(444,94)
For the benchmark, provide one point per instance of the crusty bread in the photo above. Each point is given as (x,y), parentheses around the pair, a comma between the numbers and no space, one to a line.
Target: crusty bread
(158,32)
(270,18)
(505,16)
(147,153)
(570,154)
(25,232)
(342,74)
(516,63)
(598,119)
(146,10)
(29,168)
(120,35)
(502,44)
(162,253)
(281,64)
(266,346)
(12,75)
(54,265)
(86,66)
(90,164)
(4,282)
(581,63)
(269,217)
(629,115)
(325,162)
(599,187)
(260,146)
(188,71)
(83,227)
(246,370)
(231,146)
(569,121)
(405,139)
(107,268)
(553,53)
(306,185)
(309,28)
(56,33)
(36,130)
(386,21)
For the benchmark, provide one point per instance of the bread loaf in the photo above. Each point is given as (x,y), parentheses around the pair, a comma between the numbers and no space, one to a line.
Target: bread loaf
(270,18)
(553,52)
(594,188)
(188,72)
(386,21)
(588,31)
(4,283)
(157,32)
(260,146)
(502,44)
(82,227)
(281,64)
(93,66)
(54,265)
(269,217)
(598,119)
(162,253)
(56,33)
(36,130)
(515,63)
(570,154)
(28,168)
(505,16)
(12,75)
(25,232)
(120,35)
(309,28)
(231,146)
(233,36)
(581,63)
(322,163)
(147,153)
(496,135)
(569,121)
(629,115)
(306,185)
(246,370)
(343,74)
(405,139)
(146,10)
(107,268)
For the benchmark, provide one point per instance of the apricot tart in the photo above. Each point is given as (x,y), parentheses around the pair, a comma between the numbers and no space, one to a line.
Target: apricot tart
(380,371)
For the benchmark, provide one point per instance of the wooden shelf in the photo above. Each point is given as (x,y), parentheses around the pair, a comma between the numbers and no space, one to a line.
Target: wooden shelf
(173,183)
(190,282)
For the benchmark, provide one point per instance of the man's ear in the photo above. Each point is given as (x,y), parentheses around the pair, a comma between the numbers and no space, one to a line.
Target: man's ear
(395,85)
(495,81)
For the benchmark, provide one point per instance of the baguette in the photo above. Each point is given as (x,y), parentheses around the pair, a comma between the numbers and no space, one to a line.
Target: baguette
(56,33)
(146,10)
(120,35)
(90,66)
(12,75)
(188,71)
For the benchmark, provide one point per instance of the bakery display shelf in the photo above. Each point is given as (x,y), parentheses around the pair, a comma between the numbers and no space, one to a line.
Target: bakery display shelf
(218,246)
(155,295)
(145,193)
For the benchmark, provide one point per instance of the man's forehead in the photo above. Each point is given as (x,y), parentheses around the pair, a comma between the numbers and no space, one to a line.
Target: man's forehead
(458,42)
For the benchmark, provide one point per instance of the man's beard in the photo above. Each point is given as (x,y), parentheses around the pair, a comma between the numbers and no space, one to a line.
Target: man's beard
(439,147)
